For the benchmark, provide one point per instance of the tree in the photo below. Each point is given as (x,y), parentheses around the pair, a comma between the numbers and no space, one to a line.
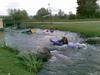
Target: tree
(71,15)
(42,14)
(86,8)
(97,15)
(61,14)
(18,15)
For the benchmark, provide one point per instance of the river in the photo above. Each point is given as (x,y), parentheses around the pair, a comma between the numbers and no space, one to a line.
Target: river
(64,60)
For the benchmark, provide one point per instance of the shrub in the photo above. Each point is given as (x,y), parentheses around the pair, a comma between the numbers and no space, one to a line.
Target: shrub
(32,62)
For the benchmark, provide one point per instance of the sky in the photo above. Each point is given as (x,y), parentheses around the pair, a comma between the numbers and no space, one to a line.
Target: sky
(32,6)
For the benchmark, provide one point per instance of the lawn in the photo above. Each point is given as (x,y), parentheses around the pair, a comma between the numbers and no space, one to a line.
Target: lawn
(9,64)
(87,28)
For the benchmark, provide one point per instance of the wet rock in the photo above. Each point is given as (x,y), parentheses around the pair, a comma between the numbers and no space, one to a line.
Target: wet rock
(44,53)
(41,52)
(95,40)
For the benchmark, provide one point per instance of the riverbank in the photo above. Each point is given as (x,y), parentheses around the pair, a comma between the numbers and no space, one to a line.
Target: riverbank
(86,28)
(10,64)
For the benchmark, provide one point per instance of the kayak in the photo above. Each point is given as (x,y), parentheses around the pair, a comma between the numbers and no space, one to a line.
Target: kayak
(33,30)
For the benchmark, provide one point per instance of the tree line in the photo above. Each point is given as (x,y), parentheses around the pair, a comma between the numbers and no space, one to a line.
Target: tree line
(85,9)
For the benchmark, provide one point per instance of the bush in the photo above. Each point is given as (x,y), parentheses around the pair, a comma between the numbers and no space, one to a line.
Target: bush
(32,62)
(1,29)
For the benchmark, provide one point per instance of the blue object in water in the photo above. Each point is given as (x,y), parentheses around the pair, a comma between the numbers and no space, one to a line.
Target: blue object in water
(56,42)
(51,30)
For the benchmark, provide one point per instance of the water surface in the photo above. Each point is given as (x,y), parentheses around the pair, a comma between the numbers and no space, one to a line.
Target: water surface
(64,60)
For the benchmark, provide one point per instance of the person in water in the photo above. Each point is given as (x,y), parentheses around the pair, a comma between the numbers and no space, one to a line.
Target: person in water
(64,40)
(48,31)
(59,42)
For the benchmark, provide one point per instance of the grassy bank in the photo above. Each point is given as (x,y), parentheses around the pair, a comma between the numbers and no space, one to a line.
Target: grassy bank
(10,64)
(88,29)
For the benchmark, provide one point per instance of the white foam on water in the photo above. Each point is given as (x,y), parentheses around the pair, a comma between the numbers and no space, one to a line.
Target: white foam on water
(28,42)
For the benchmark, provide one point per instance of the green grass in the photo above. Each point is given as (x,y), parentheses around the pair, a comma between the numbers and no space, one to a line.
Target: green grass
(9,63)
(32,62)
(88,29)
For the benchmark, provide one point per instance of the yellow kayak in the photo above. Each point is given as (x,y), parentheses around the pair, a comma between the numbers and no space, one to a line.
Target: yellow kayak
(33,30)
